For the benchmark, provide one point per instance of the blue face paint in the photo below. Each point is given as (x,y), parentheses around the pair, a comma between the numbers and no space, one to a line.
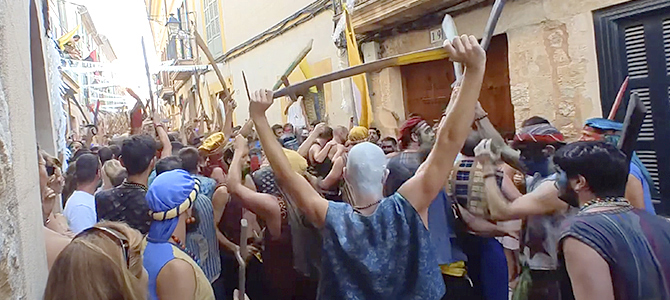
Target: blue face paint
(537,166)
(565,191)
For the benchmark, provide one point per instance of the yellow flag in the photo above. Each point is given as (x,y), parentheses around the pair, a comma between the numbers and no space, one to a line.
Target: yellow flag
(361,95)
(66,37)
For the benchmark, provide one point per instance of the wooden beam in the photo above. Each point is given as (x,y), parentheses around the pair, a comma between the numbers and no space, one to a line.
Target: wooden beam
(203,45)
(429,54)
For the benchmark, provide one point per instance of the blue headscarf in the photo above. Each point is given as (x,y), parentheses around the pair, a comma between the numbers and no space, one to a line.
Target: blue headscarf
(168,191)
(606,124)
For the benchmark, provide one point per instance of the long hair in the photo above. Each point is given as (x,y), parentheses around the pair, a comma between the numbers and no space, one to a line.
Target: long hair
(93,266)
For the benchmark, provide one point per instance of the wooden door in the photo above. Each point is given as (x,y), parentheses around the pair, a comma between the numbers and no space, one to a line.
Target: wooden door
(427,87)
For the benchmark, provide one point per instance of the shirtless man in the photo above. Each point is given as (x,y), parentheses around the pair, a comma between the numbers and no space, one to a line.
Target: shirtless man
(358,245)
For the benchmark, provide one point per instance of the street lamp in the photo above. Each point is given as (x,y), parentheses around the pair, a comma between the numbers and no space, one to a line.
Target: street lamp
(172,25)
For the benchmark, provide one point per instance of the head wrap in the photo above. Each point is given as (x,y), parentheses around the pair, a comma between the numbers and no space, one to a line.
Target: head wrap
(407,128)
(264,178)
(539,133)
(358,133)
(214,143)
(170,195)
(604,124)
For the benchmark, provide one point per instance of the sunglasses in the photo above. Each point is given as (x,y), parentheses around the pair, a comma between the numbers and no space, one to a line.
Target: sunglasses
(116,236)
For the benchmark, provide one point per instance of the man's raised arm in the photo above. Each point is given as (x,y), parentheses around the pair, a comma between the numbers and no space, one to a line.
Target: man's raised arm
(307,199)
(421,189)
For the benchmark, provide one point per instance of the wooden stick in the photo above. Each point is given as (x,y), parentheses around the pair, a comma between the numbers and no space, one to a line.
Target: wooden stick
(203,45)
(430,54)
(244,225)
(294,64)
(146,67)
(619,99)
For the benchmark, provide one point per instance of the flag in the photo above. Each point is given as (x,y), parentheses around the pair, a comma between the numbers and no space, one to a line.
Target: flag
(363,108)
(66,37)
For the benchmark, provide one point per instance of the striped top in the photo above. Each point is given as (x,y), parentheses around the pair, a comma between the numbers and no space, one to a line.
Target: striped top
(202,242)
(634,243)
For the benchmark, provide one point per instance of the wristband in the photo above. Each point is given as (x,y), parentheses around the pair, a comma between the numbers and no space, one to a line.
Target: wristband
(482,117)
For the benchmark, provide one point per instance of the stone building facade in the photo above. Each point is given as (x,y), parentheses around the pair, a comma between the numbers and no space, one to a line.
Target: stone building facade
(561,60)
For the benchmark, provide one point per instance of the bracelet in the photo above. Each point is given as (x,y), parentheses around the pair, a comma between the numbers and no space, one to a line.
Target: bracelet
(482,117)
(490,175)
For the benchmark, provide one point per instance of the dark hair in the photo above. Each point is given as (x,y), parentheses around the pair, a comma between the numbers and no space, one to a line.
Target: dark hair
(116,150)
(168,164)
(379,133)
(604,167)
(534,120)
(76,36)
(137,153)
(391,139)
(277,126)
(78,154)
(327,133)
(176,146)
(105,154)
(87,166)
(189,159)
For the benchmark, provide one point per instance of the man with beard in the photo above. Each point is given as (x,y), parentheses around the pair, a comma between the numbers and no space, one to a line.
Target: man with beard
(540,207)
(611,249)
(638,188)
(416,140)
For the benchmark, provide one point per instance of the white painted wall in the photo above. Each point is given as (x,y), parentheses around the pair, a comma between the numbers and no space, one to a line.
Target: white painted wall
(264,64)
(245,19)
(23,266)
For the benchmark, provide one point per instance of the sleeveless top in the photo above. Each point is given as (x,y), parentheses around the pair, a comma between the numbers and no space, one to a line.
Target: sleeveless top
(634,243)
(202,241)
(230,220)
(540,233)
(157,255)
(386,255)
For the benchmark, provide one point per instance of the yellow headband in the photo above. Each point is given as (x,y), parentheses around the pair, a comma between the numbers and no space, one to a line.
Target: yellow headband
(175,212)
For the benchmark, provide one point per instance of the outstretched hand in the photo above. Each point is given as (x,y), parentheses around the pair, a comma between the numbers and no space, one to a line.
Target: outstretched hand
(466,49)
(241,145)
(261,100)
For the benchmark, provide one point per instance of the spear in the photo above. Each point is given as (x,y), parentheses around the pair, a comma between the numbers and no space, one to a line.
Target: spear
(146,67)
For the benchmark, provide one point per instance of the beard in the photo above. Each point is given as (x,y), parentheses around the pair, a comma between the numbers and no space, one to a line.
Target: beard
(565,192)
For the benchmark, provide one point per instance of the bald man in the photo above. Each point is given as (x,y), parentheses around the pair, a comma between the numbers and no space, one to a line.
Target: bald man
(380,248)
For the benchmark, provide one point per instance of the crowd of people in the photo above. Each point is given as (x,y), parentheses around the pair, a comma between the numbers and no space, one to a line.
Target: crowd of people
(346,213)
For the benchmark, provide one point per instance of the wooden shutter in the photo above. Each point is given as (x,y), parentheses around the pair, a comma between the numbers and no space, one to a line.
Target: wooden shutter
(633,39)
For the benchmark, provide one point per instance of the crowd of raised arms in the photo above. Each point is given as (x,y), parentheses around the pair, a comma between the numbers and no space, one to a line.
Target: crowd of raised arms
(438,212)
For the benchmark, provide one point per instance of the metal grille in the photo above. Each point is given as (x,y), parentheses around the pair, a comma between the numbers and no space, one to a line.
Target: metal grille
(647,130)
(636,52)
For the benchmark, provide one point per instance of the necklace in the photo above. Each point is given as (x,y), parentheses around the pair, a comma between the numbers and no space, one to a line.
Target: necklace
(369,205)
(605,202)
(181,246)
(135,185)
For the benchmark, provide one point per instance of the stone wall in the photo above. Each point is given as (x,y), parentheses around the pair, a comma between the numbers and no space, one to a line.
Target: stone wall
(552,58)
(23,268)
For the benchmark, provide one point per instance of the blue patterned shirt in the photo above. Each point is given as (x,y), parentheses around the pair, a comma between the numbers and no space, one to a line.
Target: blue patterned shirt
(202,242)
(387,255)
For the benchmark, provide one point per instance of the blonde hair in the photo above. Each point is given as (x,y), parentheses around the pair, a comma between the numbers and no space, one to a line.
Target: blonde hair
(115,172)
(93,266)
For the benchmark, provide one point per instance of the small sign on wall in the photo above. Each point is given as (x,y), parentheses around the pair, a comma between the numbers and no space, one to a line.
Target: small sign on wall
(436,36)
